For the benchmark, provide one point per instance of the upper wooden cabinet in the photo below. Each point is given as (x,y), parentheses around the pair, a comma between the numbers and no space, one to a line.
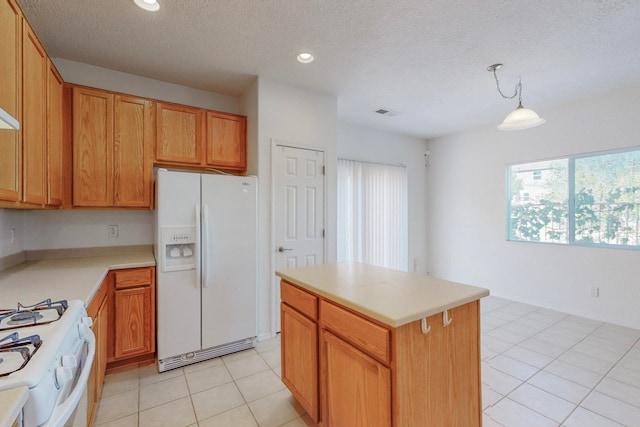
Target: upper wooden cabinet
(92,147)
(34,118)
(179,134)
(112,137)
(10,96)
(134,133)
(55,163)
(226,141)
(196,137)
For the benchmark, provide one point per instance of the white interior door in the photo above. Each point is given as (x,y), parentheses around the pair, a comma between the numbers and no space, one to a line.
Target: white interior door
(298,210)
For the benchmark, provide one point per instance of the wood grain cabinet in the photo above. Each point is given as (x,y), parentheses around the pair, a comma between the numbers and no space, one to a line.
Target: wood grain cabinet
(98,310)
(299,350)
(10,97)
(357,388)
(55,149)
(179,134)
(34,118)
(366,373)
(134,312)
(112,139)
(226,141)
(200,138)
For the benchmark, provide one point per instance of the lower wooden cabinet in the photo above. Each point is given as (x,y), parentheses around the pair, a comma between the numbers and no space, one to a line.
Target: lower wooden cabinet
(357,388)
(300,358)
(98,310)
(134,312)
(123,313)
(347,369)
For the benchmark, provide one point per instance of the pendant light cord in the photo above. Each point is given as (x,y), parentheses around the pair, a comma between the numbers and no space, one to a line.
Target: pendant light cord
(518,91)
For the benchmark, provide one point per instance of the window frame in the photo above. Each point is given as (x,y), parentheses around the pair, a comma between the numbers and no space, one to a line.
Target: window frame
(571,202)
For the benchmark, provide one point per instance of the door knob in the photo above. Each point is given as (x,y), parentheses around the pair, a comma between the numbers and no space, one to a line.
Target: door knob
(282,249)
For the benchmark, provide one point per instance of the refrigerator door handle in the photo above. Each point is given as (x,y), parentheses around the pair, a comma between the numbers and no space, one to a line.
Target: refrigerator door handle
(198,237)
(205,245)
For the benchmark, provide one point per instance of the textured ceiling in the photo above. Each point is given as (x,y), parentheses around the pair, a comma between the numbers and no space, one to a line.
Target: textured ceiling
(425,59)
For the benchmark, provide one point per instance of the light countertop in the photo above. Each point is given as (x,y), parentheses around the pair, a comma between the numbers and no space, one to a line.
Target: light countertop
(66,278)
(393,297)
(11,403)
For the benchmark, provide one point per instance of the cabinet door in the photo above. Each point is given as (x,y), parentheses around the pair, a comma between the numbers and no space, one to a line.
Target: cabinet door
(133,136)
(54,136)
(10,89)
(92,147)
(226,141)
(133,322)
(34,118)
(179,134)
(357,388)
(300,358)
(99,367)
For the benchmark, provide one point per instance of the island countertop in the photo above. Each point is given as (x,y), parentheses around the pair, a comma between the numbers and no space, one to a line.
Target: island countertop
(392,297)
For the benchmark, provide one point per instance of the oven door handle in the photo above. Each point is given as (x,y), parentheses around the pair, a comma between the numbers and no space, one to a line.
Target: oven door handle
(63,412)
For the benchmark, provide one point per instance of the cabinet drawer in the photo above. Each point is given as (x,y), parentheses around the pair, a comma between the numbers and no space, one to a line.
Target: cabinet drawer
(372,338)
(133,277)
(302,301)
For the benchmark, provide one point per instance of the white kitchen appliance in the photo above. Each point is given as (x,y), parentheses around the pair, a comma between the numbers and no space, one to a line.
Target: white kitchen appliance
(48,348)
(206,250)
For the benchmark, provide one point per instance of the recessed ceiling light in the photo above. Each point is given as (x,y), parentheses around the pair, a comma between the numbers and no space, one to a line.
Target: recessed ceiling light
(305,57)
(150,5)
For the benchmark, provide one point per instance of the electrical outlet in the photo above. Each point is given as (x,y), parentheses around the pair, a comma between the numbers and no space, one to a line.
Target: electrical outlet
(595,292)
(113,231)
(13,236)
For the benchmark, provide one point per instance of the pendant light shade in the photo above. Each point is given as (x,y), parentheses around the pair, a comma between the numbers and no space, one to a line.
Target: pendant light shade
(7,121)
(521,118)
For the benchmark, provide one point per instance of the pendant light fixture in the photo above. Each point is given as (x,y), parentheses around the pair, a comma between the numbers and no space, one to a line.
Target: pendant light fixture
(520,118)
(7,121)
(148,5)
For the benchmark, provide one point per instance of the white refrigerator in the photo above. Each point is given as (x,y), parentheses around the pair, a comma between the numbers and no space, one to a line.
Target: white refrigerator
(206,249)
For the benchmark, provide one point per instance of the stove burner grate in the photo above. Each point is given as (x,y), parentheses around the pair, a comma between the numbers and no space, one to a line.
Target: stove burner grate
(23,317)
(17,352)
(38,314)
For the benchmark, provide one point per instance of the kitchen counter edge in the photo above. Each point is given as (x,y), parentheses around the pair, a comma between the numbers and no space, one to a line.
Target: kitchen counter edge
(65,278)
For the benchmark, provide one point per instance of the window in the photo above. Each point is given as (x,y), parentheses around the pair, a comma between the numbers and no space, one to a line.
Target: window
(587,200)
(372,214)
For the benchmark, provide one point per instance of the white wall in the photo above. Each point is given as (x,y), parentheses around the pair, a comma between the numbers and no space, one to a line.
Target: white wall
(467,219)
(116,81)
(11,219)
(370,145)
(302,118)
(81,229)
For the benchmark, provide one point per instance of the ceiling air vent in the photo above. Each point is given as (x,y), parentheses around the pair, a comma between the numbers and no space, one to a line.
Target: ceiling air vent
(385,112)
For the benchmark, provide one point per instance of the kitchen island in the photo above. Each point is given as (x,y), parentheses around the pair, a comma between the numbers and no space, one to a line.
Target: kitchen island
(368,346)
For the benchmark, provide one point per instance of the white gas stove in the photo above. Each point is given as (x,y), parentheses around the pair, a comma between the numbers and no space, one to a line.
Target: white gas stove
(49,348)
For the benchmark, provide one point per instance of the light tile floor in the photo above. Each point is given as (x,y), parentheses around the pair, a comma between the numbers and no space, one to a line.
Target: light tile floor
(539,368)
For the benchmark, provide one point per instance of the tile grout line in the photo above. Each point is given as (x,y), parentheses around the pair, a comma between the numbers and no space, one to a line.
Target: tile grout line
(601,379)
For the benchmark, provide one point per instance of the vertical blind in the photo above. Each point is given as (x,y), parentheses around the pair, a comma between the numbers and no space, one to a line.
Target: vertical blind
(372,213)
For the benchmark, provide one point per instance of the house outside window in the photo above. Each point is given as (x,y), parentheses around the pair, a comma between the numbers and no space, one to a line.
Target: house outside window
(591,199)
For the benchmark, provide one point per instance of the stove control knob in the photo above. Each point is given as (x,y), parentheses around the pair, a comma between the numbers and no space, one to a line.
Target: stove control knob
(63,375)
(69,361)
(84,326)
